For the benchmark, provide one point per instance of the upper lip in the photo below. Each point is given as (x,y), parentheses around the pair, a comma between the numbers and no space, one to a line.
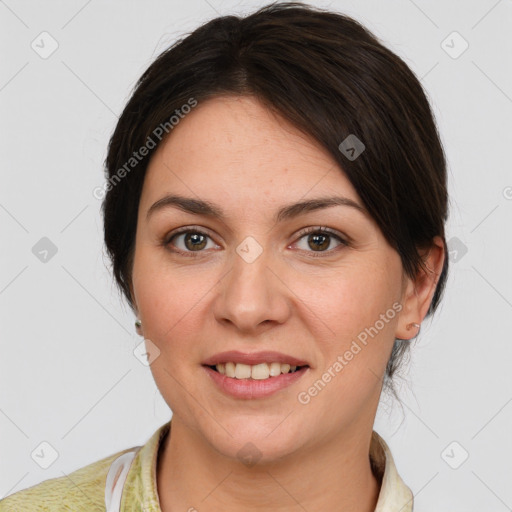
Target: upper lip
(253,358)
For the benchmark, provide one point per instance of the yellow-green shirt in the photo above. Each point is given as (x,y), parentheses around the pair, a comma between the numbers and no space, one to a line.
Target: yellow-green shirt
(85,488)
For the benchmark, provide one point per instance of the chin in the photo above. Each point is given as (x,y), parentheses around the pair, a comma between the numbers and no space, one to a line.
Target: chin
(256,440)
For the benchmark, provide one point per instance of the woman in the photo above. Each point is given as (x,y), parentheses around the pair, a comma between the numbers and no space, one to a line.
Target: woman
(274,212)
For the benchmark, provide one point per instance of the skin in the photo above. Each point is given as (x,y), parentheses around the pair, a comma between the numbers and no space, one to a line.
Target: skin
(235,153)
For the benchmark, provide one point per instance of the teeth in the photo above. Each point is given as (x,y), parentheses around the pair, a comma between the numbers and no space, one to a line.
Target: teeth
(275,369)
(242,371)
(230,369)
(258,371)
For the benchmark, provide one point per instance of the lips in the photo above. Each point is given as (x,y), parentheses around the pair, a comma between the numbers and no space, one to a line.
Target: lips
(251,389)
(253,358)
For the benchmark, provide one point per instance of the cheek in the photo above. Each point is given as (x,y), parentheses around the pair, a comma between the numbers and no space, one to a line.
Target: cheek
(355,321)
(353,339)
(167,305)
(172,304)
(170,299)
(345,301)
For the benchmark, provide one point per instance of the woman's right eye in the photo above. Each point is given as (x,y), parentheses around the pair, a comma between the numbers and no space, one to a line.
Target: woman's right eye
(189,241)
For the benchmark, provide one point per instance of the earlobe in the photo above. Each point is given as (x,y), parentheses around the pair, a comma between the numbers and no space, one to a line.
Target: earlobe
(420,291)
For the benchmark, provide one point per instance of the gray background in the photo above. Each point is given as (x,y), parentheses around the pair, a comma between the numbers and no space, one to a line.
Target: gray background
(68,374)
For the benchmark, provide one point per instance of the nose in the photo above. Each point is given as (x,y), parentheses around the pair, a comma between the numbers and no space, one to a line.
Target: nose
(252,296)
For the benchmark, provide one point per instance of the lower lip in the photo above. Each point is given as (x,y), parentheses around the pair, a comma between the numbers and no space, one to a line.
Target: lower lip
(253,388)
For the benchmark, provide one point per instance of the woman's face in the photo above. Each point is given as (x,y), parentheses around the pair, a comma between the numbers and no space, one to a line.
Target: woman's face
(255,280)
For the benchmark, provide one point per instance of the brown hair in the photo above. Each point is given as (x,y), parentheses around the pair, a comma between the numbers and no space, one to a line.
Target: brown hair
(331,78)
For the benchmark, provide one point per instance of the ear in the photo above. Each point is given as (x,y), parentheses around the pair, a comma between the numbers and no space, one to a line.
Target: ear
(417,293)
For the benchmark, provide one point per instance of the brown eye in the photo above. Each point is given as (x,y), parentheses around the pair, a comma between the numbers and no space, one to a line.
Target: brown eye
(320,240)
(188,241)
(194,241)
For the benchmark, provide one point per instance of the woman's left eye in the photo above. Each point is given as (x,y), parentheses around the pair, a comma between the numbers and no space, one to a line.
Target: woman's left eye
(319,239)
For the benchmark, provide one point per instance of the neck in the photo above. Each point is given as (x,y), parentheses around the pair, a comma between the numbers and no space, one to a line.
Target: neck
(192,476)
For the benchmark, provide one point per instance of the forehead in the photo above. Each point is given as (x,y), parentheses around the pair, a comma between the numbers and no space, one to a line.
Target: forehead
(235,149)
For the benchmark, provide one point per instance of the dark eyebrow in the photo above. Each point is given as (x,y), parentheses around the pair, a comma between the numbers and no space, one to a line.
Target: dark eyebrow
(296,209)
(189,205)
(201,207)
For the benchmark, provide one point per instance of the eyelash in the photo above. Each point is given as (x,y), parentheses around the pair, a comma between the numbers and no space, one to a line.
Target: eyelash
(322,230)
(166,242)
